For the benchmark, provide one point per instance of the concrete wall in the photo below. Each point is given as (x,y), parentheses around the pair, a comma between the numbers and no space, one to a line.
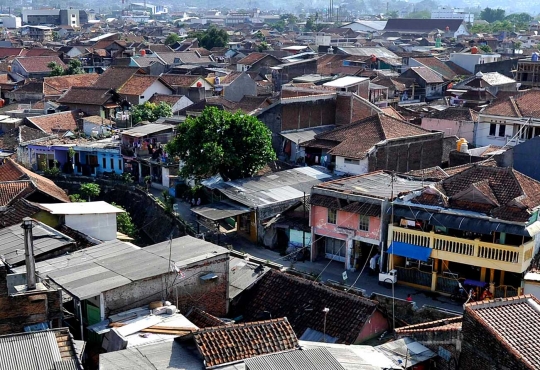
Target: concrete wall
(346,220)
(156,88)
(241,86)
(210,296)
(460,129)
(375,325)
(483,138)
(525,158)
(356,169)
(99,226)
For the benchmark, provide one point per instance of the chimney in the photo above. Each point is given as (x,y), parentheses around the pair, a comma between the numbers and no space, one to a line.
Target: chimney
(27,225)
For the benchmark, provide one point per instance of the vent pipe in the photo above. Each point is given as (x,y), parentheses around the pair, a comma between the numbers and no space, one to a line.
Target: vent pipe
(27,225)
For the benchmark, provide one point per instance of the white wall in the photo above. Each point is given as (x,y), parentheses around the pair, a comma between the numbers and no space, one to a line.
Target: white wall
(531,287)
(359,169)
(181,104)
(483,138)
(99,226)
(469,61)
(156,88)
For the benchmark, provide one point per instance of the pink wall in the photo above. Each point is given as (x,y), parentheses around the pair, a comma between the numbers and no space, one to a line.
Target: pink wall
(376,324)
(319,221)
(460,129)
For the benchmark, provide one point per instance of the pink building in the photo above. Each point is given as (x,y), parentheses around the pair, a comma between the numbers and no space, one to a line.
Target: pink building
(349,216)
(453,121)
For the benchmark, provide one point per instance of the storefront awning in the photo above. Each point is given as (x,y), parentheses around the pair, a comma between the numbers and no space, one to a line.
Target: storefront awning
(220,210)
(410,251)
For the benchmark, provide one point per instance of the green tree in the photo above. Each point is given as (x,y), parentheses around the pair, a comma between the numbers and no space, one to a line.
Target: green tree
(171,39)
(233,145)
(519,18)
(90,190)
(150,112)
(124,223)
(262,47)
(76,198)
(392,14)
(485,49)
(491,15)
(421,14)
(56,69)
(74,67)
(212,37)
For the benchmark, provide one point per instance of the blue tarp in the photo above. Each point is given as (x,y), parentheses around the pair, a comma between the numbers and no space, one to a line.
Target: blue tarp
(410,251)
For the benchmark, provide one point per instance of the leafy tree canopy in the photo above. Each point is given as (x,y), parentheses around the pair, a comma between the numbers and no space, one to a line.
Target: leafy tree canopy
(74,67)
(90,190)
(519,18)
(491,15)
(125,223)
(171,38)
(212,37)
(150,112)
(485,48)
(233,145)
(422,14)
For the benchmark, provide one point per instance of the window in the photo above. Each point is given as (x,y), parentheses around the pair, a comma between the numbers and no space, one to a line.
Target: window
(332,216)
(120,164)
(335,249)
(112,163)
(364,223)
(502,129)
(352,161)
(72,15)
(142,96)
(492,129)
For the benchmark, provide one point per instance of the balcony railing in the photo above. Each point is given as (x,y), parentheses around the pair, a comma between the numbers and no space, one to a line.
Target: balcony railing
(467,251)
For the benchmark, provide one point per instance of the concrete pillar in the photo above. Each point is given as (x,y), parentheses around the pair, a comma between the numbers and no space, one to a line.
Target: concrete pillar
(433,281)
(501,282)
(492,276)
(482,274)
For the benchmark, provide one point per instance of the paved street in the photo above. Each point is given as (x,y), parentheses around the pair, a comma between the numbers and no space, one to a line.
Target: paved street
(331,270)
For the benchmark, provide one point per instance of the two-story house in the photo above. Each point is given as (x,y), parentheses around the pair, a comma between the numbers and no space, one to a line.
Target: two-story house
(431,84)
(477,228)
(379,142)
(510,120)
(349,216)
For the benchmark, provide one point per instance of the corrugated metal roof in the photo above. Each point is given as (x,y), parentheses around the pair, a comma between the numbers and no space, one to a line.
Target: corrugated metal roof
(301,136)
(87,275)
(46,239)
(81,208)
(162,356)
(312,359)
(273,188)
(38,350)
(148,129)
(243,274)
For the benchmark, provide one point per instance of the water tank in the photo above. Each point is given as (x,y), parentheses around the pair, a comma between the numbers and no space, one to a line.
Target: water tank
(464,148)
(217,80)
(460,143)
(143,53)
(534,57)
(199,84)
(474,50)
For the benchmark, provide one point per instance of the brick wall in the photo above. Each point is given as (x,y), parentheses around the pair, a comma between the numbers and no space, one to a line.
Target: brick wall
(408,154)
(16,312)
(307,114)
(481,350)
(344,109)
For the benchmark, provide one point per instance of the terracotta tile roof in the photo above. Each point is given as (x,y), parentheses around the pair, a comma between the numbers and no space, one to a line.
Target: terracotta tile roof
(46,185)
(180,80)
(347,316)
(520,104)
(356,139)
(252,58)
(437,66)
(11,190)
(458,70)
(169,99)
(38,64)
(59,84)
(203,319)
(229,78)
(455,114)
(361,208)
(503,193)
(115,76)
(8,52)
(250,103)
(449,324)
(390,111)
(18,210)
(137,84)
(428,75)
(38,52)
(86,96)
(514,322)
(10,171)
(225,344)
(159,48)
(56,122)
